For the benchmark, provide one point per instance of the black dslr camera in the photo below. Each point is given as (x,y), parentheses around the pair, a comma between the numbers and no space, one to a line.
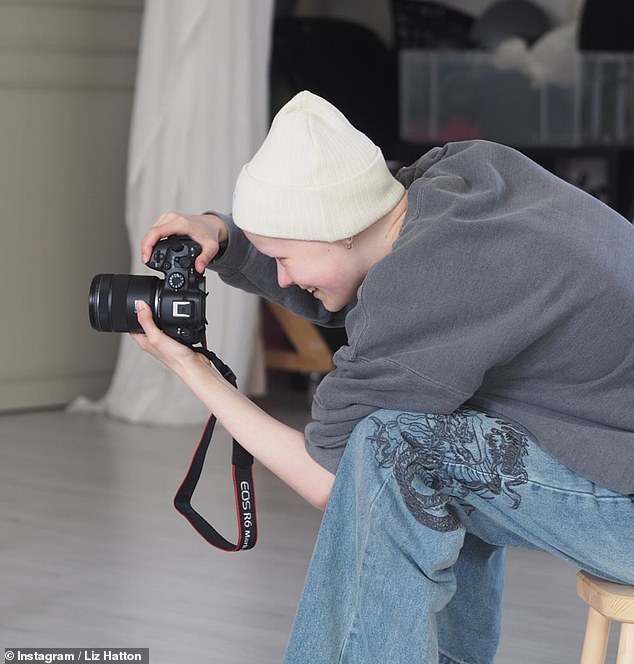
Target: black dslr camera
(177,303)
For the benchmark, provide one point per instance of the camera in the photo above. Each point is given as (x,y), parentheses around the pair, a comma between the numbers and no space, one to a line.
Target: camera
(177,302)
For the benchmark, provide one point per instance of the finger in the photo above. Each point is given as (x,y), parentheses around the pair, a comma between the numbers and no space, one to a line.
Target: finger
(198,228)
(169,223)
(145,318)
(206,256)
(148,242)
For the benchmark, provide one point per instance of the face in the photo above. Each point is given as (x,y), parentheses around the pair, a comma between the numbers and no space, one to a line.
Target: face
(327,270)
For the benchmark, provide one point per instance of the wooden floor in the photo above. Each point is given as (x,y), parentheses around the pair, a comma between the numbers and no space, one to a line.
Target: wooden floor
(93,554)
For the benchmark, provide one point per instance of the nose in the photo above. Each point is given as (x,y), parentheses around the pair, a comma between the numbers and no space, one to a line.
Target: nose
(283,279)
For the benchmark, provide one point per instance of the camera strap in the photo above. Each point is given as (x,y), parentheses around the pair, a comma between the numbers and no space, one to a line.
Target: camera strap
(242,467)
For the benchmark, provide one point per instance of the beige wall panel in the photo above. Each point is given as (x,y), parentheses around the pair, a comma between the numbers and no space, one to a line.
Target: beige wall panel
(65,104)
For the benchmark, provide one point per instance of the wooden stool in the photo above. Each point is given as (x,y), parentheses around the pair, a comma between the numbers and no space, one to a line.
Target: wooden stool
(606,602)
(310,353)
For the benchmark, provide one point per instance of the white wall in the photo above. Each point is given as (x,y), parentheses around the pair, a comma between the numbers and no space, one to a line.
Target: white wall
(66,81)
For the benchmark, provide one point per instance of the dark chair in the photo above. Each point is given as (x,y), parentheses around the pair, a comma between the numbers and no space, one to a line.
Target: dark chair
(343,62)
(606,25)
(420,24)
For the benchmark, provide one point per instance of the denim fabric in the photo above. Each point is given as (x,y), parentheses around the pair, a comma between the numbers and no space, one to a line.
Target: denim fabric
(409,562)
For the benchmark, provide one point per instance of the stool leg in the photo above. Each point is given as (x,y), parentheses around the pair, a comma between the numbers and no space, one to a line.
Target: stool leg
(595,642)
(625,653)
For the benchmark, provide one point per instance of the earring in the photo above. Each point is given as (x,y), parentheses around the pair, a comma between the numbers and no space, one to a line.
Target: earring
(347,243)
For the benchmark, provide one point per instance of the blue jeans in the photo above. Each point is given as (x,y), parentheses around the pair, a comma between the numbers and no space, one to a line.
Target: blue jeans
(409,563)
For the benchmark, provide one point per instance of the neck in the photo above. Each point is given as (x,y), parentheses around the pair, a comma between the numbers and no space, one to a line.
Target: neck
(375,243)
(384,232)
(394,221)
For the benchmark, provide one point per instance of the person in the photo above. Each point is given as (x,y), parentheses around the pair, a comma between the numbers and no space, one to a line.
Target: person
(483,399)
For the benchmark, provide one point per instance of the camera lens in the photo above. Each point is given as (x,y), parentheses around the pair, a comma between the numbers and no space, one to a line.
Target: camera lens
(111,301)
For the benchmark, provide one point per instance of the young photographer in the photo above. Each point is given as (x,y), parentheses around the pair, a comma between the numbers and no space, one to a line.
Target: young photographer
(484,398)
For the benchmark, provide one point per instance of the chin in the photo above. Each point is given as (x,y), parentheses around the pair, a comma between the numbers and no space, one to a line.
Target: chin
(335,301)
(333,307)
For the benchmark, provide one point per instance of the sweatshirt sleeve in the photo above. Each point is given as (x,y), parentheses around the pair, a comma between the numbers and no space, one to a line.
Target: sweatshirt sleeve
(243,267)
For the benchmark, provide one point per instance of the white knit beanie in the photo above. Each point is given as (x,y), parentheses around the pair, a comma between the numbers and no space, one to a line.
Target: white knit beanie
(315,177)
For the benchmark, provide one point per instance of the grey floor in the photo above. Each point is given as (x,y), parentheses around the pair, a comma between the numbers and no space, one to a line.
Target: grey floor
(92,553)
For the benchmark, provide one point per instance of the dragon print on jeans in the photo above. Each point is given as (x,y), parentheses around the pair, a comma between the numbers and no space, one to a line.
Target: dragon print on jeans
(436,457)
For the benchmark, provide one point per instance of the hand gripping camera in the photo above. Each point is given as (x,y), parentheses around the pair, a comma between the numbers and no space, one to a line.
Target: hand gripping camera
(177,303)
(178,308)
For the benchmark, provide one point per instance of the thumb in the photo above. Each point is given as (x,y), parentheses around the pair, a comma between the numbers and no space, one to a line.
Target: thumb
(144,315)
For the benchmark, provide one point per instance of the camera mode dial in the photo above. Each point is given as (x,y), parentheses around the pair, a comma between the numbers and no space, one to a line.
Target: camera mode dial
(176,280)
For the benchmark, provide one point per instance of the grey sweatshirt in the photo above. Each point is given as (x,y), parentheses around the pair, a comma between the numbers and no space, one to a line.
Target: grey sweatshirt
(508,290)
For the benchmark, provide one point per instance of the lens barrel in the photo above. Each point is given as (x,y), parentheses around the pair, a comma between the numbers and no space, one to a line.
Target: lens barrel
(111,301)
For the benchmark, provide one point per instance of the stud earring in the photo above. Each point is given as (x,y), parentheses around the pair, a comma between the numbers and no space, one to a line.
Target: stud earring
(347,243)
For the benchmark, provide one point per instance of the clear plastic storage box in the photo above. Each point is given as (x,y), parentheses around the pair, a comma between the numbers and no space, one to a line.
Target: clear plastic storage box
(454,95)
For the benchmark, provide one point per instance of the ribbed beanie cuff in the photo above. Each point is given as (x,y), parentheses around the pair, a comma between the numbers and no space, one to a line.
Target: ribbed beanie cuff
(315,177)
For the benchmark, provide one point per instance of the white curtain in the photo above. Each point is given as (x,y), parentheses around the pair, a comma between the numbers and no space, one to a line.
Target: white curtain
(200,112)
